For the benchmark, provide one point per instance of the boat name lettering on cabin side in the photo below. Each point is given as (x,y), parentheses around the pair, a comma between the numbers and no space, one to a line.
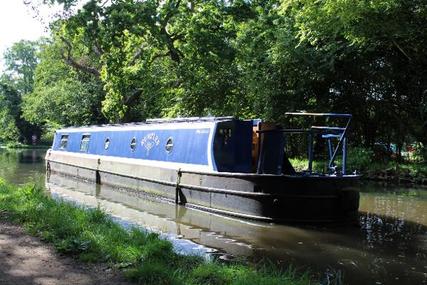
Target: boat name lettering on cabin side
(149,141)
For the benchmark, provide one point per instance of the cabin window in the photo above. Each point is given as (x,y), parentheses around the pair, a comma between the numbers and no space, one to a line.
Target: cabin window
(84,144)
(226,135)
(133,144)
(64,142)
(169,145)
(107,143)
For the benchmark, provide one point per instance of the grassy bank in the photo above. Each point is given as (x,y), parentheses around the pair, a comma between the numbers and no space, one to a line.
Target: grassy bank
(391,171)
(406,172)
(91,236)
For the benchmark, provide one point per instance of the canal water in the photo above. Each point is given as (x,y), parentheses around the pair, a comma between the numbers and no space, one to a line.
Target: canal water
(388,247)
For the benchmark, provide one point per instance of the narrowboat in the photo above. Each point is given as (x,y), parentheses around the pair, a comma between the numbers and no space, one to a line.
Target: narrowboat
(223,165)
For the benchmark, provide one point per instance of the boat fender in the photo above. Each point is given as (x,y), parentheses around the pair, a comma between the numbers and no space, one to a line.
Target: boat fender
(179,196)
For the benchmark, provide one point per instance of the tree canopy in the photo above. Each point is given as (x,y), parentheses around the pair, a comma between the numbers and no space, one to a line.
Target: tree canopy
(127,60)
(15,83)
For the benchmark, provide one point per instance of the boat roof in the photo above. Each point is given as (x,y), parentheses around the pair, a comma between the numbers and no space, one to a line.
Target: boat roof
(163,123)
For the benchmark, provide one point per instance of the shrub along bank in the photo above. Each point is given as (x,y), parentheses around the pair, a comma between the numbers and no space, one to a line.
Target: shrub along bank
(91,236)
(17,145)
(373,167)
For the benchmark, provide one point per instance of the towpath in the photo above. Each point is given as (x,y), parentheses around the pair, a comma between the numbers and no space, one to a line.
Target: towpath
(26,260)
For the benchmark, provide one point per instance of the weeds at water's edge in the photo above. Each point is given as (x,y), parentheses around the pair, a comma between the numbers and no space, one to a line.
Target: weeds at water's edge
(16,145)
(91,236)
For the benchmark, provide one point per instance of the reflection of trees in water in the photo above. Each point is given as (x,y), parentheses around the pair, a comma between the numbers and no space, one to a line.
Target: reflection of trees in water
(9,162)
(399,246)
(383,232)
(393,227)
(31,156)
(20,166)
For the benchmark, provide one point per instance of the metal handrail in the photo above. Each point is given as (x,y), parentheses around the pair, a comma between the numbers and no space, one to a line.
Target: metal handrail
(341,131)
(318,129)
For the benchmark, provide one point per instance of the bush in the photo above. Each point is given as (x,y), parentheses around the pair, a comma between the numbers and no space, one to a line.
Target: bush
(359,158)
(420,153)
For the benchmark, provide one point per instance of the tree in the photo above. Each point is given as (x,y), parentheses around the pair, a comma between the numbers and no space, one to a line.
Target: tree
(62,95)
(244,58)
(21,61)
(8,130)
(377,52)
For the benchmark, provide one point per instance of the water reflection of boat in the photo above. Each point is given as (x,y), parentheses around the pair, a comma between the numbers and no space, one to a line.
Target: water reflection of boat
(133,206)
(221,165)
(238,237)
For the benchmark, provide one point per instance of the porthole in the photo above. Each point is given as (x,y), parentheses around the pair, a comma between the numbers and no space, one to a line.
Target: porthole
(169,145)
(107,143)
(133,144)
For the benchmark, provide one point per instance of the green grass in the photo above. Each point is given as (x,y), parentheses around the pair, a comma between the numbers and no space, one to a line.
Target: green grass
(91,236)
(359,163)
(301,164)
(416,170)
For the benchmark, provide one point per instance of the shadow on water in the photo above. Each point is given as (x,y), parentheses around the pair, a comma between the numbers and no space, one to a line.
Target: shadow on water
(385,249)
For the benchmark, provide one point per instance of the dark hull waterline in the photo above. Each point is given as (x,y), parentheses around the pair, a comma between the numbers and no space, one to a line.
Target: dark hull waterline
(271,198)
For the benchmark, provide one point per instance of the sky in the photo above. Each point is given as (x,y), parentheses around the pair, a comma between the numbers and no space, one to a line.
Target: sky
(18,21)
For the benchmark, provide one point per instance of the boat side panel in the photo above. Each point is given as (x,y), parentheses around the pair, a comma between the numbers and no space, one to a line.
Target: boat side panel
(118,172)
(148,186)
(73,171)
(133,168)
(188,145)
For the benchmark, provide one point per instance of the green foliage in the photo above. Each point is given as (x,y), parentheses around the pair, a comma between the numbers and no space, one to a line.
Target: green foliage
(61,95)
(377,65)
(17,145)
(413,169)
(129,60)
(152,273)
(419,153)
(8,113)
(301,164)
(92,236)
(210,274)
(360,158)
(21,61)
(8,129)
(18,80)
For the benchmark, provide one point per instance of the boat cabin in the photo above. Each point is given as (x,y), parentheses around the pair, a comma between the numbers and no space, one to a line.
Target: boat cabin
(219,144)
(216,144)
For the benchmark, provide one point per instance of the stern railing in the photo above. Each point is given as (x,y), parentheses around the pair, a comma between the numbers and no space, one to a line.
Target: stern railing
(329,133)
